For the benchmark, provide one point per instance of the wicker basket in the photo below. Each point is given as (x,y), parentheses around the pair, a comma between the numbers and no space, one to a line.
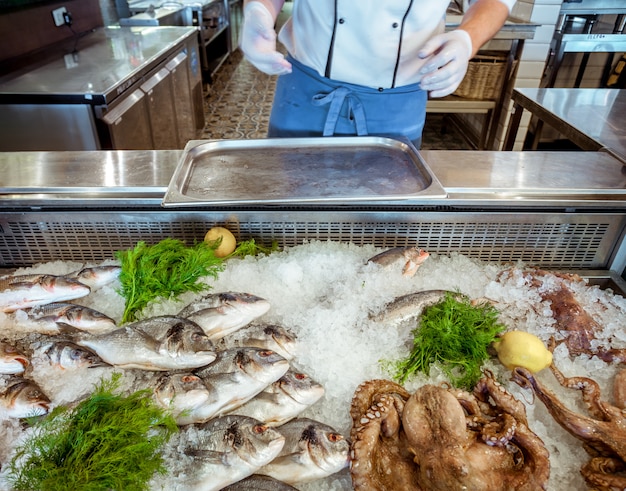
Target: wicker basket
(484,77)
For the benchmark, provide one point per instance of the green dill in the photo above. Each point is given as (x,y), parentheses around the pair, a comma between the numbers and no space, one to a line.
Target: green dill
(162,271)
(455,334)
(251,248)
(107,442)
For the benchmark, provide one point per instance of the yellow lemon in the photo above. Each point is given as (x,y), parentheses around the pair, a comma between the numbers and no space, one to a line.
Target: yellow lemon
(522,349)
(227,244)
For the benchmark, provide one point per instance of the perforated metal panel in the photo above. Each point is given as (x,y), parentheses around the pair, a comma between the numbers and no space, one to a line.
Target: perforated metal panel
(555,240)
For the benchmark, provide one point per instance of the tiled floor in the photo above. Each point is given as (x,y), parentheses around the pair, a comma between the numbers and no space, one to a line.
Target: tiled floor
(239,100)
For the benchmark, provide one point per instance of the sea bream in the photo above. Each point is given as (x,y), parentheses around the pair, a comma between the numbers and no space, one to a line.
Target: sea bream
(267,336)
(26,291)
(66,355)
(410,258)
(283,400)
(23,398)
(48,318)
(220,314)
(237,375)
(157,343)
(12,361)
(225,450)
(410,306)
(97,276)
(185,396)
(256,482)
(312,451)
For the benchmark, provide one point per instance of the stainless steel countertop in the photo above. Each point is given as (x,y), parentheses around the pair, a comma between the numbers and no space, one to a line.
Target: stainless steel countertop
(519,179)
(594,119)
(95,68)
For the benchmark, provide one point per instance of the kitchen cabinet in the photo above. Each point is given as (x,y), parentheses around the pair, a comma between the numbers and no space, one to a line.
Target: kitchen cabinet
(115,88)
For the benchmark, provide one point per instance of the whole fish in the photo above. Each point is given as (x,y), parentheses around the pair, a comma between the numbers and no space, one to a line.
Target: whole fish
(256,482)
(411,258)
(238,374)
(283,400)
(96,277)
(25,291)
(220,314)
(23,398)
(70,356)
(158,343)
(266,336)
(410,306)
(12,361)
(226,450)
(48,317)
(186,396)
(312,451)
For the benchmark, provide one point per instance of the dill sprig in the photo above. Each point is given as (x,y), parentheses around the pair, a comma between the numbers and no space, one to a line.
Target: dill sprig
(251,248)
(455,334)
(106,442)
(162,271)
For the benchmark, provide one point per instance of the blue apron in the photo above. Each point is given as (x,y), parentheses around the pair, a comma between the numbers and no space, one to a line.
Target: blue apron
(306,104)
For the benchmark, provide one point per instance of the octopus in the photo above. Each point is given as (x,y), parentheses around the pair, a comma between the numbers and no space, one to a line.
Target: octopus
(572,320)
(603,431)
(440,438)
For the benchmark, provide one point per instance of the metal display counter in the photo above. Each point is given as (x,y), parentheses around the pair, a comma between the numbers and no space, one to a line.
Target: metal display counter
(591,118)
(563,211)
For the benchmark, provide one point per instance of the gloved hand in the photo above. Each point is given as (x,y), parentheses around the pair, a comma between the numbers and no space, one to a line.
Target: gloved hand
(447,55)
(258,40)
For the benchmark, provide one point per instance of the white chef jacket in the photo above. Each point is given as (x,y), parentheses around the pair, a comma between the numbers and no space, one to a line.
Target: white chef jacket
(373,43)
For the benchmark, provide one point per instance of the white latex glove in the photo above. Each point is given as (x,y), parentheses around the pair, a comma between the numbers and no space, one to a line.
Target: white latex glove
(447,56)
(258,40)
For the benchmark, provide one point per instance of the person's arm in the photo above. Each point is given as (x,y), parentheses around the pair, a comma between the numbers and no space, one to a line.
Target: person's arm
(448,54)
(258,36)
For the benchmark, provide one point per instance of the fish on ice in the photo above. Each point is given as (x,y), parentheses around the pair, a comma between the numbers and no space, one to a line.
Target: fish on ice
(312,450)
(283,400)
(185,396)
(257,482)
(238,374)
(48,318)
(410,258)
(12,360)
(226,450)
(410,306)
(220,314)
(157,343)
(97,276)
(23,398)
(66,355)
(266,336)
(26,291)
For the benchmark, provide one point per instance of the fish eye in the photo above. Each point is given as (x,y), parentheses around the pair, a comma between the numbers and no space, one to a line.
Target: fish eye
(189,378)
(259,429)
(300,376)
(75,354)
(266,353)
(335,437)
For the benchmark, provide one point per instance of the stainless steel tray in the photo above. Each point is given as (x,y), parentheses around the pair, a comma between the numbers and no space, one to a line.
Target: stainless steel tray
(300,170)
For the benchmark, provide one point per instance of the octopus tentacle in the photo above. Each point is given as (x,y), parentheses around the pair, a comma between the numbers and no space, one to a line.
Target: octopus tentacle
(599,473)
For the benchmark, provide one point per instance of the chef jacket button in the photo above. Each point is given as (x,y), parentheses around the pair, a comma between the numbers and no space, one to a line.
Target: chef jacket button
(395,25)
(342,20)
(380,89)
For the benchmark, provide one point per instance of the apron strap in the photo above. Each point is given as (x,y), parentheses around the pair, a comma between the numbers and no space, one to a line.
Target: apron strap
(336,99)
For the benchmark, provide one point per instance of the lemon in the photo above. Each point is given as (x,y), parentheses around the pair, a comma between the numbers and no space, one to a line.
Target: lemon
(522,349)
(227,244)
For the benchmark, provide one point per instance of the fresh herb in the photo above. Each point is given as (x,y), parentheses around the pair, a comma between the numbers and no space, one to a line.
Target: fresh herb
(162,271)
(251,248)
(455,334)
(106,442)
